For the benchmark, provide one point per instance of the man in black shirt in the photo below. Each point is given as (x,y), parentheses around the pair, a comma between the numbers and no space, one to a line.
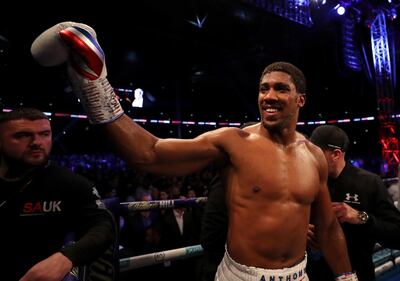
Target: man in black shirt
(214,229)
(361,204)
(41,203)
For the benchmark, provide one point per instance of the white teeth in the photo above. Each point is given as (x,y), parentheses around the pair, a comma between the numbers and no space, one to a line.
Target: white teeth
(271,110)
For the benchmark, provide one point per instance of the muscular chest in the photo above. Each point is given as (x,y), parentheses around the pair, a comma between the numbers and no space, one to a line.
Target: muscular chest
(276,174)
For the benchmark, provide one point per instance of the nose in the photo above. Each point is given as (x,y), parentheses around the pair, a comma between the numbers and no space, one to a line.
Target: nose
(271,95)
(36,140)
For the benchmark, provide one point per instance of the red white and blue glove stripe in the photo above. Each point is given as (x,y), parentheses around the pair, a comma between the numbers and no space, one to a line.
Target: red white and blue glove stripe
(90,57)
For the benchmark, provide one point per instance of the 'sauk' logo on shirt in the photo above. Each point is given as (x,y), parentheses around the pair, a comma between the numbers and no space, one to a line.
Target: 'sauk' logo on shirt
(39,208)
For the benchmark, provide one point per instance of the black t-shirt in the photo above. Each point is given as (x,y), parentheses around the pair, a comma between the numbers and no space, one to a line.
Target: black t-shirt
(37,214)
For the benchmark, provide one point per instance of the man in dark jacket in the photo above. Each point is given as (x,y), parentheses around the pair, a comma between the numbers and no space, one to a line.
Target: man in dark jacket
(41,203)
(214,229)
(361,204)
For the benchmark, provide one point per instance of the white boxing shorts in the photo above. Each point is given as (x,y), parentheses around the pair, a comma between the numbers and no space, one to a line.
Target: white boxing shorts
(229,270)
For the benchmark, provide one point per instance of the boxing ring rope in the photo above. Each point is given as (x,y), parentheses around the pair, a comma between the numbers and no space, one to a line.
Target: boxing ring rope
(167,255)
(135,262)
(159,257)
(162,204)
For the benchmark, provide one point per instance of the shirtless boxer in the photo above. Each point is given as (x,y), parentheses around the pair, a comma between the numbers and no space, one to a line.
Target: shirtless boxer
(275,179)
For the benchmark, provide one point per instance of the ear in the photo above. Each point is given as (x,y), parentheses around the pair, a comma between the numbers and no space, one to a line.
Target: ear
(301,99)
(337,153)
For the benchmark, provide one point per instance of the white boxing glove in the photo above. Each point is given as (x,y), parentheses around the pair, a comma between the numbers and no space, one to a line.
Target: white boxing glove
(76,44)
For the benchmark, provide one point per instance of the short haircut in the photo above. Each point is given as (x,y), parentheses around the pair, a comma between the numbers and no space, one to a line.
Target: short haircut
(23,113)
(296,74)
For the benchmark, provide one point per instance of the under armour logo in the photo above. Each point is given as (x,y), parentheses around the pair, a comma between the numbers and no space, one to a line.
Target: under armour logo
(351,198)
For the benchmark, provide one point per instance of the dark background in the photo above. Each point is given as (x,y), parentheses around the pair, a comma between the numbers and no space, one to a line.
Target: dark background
(190,73)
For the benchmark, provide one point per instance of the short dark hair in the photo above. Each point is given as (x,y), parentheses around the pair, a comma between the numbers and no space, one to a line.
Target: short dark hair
(298,78)
(330,137)
(23,113)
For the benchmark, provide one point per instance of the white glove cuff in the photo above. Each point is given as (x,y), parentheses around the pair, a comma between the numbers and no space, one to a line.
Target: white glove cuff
(98,98)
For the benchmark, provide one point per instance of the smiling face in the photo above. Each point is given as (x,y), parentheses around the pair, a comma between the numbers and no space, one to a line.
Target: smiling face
(279,101)
(25,142)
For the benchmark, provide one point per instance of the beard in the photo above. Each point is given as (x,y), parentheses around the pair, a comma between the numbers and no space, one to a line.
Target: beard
(19,165)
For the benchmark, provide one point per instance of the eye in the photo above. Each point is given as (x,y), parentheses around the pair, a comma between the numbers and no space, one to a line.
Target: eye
(264,88)
(282,88)
(46,134)
(22,135)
